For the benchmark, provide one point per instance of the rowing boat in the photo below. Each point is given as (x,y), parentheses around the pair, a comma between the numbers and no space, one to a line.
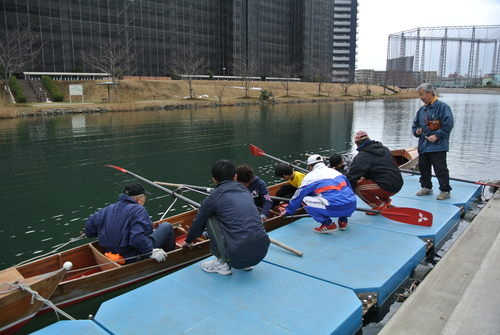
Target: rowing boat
(94,274)
(17,305)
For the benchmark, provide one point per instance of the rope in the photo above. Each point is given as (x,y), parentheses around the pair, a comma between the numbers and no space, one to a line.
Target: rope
(82,236)
(35,295)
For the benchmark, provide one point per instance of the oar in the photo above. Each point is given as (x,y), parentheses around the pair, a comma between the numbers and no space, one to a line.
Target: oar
(457,179)
(401,214)
(259,153)
(198,188)
(195,204)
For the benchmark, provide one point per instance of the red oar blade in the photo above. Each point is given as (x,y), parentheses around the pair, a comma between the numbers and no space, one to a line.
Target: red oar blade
(117,167)
(408,215)
(256,151)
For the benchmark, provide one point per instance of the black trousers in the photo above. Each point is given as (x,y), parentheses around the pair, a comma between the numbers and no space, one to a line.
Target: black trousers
(436,160)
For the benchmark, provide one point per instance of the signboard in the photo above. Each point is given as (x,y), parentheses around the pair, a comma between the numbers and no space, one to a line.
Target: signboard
(75,90)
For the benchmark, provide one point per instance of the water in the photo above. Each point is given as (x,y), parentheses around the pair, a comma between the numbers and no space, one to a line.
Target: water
(53,177)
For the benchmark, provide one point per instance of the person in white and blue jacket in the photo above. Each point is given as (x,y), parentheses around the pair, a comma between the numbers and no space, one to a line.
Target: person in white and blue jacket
(326,193)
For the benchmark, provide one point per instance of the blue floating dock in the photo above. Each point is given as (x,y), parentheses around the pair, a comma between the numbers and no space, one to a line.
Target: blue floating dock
(319,293)
(363,259)
(266,300)
(73,327)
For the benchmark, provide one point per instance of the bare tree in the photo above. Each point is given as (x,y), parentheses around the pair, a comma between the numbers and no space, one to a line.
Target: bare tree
(221,89)
(284,72)
(247,68)
(187,65)
(19,48)
(367,81)
(110,57)
(345,86)
(321,73)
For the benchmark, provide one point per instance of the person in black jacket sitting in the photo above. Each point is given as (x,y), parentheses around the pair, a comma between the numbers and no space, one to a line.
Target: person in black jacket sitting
(237,236)
(373,174)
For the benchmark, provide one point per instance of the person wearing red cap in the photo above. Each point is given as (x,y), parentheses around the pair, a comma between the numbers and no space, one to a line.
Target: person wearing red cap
(373,174)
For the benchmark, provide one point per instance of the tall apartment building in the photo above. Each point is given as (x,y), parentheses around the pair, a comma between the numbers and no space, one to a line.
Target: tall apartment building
(345,24)
(222,31)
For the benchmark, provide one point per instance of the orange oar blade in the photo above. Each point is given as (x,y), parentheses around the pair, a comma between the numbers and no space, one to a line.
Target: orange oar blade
(256,151)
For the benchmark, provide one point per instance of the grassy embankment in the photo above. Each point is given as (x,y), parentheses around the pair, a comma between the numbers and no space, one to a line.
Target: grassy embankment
(140,94)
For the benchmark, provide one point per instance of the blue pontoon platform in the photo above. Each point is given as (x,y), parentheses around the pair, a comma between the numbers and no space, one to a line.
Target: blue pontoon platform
(323,292)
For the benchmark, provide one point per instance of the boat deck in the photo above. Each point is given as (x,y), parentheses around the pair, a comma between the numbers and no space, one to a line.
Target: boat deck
(323,292)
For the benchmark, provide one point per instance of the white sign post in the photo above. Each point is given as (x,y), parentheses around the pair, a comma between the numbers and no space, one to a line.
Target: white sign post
(75,90)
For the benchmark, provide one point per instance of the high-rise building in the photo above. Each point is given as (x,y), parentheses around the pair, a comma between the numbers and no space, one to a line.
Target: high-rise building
(223,32)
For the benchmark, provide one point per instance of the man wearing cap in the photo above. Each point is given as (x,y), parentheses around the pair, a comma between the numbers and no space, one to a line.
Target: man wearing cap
(373,174)
(124,228)
(326,194)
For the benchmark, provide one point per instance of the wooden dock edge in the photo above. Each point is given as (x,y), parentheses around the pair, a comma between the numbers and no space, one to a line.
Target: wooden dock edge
(451,299)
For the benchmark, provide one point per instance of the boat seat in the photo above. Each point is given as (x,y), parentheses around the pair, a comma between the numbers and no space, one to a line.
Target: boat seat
(103,261)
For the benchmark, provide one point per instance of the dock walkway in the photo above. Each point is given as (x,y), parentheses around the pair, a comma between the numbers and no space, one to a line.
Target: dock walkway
(461,294)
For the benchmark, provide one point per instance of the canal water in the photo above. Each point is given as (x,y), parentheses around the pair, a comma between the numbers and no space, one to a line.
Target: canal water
(53,174)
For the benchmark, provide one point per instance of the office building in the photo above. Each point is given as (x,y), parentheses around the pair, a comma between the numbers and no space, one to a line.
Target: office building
(223,32)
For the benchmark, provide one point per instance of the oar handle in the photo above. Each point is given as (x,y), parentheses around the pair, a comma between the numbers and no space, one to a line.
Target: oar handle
(286,247)
(194,187)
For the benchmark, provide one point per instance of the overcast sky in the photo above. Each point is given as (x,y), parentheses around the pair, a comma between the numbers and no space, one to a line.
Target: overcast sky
(378,19)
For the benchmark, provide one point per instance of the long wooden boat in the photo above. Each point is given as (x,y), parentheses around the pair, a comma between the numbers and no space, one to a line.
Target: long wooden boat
(16,304)
(94,274)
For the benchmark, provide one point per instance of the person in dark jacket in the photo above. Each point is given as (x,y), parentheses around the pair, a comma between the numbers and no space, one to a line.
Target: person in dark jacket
(125,229)
(373,174)
(257,187)
(237,236)
(432,125)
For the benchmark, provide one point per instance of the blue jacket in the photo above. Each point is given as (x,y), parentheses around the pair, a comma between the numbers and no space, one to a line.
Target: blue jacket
(243,230)
(331,184)
(260,194)
(123,227)
(436,111)
(375,162)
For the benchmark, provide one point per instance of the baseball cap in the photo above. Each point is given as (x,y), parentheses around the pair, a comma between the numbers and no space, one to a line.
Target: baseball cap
(360,135)
(313,159)
(135,189)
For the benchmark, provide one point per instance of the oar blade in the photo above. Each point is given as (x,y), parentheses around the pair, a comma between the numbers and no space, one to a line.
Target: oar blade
(116,167)
(408,215)
(256,151)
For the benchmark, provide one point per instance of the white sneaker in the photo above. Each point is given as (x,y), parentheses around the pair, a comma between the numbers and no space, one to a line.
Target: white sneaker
(425,191)
(250,268)
(443,196)
(215,266)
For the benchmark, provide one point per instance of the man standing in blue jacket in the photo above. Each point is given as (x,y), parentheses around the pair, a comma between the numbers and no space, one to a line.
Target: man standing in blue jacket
(326,194)
(432,125)
(124,228)
(237,236)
